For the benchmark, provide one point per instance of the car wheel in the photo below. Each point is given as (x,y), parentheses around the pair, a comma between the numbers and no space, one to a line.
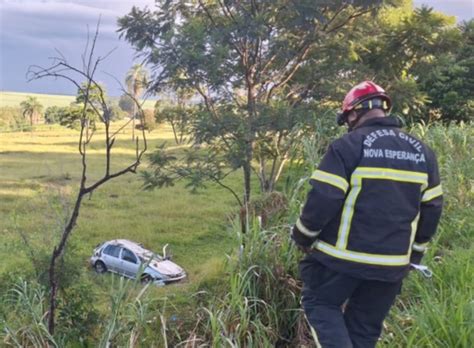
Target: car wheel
(99,267)
(146,278)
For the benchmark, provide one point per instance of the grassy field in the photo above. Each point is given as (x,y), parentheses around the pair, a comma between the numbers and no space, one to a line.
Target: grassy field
(15,98)
(250,301)
(39,173)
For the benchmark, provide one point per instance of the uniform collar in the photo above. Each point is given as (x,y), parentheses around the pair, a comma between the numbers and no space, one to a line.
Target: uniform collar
(387,121)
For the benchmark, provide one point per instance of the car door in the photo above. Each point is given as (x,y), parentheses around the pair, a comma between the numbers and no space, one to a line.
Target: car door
(129,263)
(110,256)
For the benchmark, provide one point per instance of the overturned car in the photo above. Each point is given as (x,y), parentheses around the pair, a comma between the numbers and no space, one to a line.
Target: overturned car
(132,260)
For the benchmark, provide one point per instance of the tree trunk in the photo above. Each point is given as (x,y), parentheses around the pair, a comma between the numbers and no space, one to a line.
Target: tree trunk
(57,253)
(133,120)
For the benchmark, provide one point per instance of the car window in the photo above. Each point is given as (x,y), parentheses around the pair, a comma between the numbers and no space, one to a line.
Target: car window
(112,250)
(127,255)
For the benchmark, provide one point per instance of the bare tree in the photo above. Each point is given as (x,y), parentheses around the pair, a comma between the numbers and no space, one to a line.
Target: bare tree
(60,68)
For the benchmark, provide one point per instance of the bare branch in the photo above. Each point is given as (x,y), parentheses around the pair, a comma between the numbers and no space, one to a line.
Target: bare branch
(62,69)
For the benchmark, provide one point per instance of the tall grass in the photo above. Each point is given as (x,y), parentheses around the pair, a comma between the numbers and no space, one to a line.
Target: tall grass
(440,312)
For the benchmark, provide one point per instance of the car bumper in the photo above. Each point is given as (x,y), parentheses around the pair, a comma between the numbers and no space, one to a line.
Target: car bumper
(175,279)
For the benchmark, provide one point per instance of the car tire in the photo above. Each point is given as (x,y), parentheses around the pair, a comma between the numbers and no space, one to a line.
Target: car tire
(100,267)
(146,278)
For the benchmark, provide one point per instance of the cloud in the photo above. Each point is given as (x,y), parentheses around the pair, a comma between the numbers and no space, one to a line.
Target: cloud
(30,31)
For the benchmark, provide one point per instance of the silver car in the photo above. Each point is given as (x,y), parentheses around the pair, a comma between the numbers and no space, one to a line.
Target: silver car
(132,260)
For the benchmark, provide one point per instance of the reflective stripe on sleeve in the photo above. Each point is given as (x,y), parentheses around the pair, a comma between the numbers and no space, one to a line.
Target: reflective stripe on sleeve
(307,232)
(331,179)
(355,256)
(420,247)
(432,193)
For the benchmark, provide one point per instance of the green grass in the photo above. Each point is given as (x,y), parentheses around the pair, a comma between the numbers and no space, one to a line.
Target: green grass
(39,177)
(15,98)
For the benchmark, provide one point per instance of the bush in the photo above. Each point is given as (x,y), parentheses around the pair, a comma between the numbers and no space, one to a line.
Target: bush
(149,122)
(116,113)
(126,104)
(11,118)
(54,114)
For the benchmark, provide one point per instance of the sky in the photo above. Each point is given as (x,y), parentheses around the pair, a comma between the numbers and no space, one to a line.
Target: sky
(31,30)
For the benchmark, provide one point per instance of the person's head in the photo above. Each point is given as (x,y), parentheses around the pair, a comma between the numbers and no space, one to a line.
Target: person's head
(364,101)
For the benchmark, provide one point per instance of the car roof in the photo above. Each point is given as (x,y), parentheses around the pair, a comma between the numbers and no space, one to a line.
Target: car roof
(135,247)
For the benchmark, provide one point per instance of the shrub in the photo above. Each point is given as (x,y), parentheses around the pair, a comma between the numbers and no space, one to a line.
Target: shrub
(54,114)
(11,118)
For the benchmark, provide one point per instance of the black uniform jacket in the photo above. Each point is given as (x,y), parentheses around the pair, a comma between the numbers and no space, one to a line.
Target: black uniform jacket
(375,202)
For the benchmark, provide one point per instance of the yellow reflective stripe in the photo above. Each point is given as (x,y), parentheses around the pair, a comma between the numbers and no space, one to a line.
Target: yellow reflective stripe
(348,212)
(356,183)
(420,247)
(392,174)
(414,227)
(307,232)
(331,179)
(432,193)
(355,256)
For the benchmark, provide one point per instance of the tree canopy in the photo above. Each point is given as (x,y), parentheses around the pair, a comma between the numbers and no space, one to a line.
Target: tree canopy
(265,71)
(31,108)
(239,57)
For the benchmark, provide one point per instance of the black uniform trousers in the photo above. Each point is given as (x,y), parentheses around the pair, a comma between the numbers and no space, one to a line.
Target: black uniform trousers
(324,293)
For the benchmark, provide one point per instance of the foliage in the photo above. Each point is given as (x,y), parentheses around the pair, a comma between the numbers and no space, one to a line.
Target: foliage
(116,113)
(425,314)
(88,104)
(179,112)
(149,122)
(126,103)
(31,109)
(24,324)
(450,82)
(195,166)
(136,80)
(54,114)
(179,117)
(239,58)
(77,317)
(406,54)
(11,118)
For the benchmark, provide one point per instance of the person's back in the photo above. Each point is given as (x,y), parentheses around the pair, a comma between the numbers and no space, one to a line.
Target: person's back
(387,171)
(375,203)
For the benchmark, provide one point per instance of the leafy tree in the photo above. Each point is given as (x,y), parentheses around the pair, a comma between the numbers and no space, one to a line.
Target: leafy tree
(449,84)
(116,112)
(126,103)
(403,47)
(12,118)
(31,108)
(179,111)
(136,81)
(86,108)
(149,122)
(239,57)
(54,114)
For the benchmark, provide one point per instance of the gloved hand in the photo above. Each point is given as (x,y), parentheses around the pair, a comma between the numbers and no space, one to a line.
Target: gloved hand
(416,257)
(302,242)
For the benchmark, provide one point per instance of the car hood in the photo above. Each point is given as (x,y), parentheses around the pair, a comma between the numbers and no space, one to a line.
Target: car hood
(166,267)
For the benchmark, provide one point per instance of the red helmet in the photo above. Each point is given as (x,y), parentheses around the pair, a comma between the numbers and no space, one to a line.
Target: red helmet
(364,91)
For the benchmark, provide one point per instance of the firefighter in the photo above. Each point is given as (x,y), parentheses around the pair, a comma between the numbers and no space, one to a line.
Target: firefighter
(374,205)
